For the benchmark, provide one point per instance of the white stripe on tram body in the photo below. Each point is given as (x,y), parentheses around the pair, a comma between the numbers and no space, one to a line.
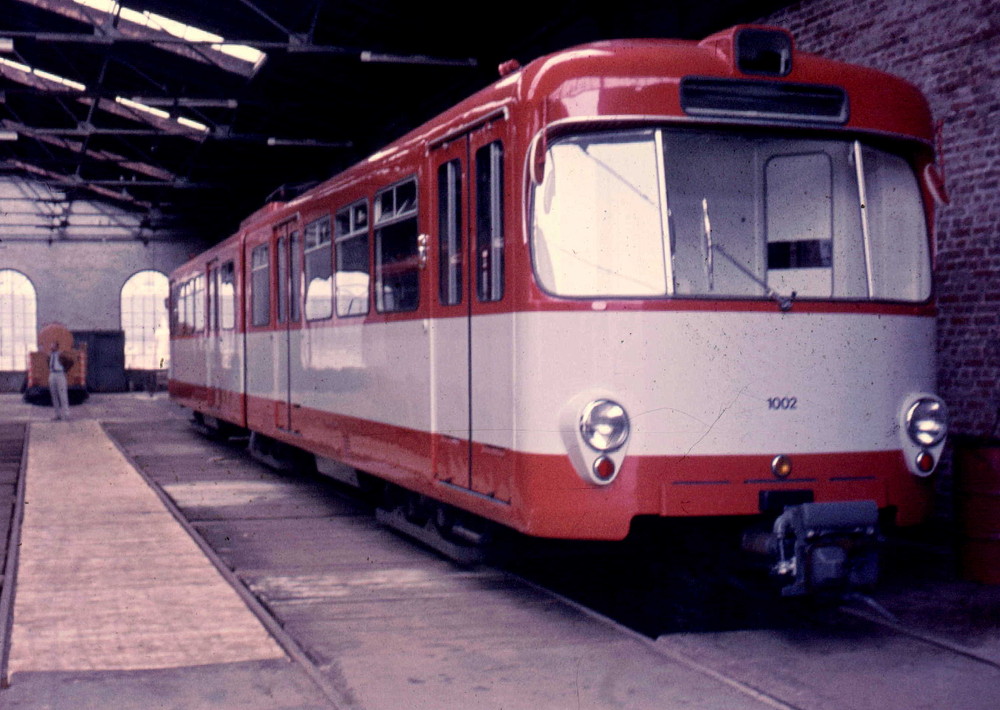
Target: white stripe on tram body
(693,383)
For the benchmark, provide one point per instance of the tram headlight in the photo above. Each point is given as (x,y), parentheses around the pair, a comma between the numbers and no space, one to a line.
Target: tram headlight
(604,425)
(927,421)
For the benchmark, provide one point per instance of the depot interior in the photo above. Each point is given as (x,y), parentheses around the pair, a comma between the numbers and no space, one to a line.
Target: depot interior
(136,134)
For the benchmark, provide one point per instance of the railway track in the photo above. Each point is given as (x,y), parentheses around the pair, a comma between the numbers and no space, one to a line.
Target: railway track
(790,633)
(333,585)
(13,445)
(882,618)
(706,650)
(691,629)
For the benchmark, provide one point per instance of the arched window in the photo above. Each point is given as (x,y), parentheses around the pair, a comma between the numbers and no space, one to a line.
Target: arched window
(18,325)
(144,320)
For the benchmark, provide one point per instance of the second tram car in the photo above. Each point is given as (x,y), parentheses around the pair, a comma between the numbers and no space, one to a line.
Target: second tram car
(633,278)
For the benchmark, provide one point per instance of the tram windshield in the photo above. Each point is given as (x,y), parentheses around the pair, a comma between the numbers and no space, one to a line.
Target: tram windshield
(725,214)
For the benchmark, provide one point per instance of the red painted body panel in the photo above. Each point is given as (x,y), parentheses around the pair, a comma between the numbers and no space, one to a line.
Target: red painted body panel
(542,494)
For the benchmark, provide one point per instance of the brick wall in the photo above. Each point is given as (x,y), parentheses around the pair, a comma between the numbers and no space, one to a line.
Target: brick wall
(951,50)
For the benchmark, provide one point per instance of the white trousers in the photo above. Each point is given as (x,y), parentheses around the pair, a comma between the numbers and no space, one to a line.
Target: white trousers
(60,394)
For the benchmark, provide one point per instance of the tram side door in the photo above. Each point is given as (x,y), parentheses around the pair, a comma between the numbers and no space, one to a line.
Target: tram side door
(491,406)
(449,314)
(470,378)
(288,279)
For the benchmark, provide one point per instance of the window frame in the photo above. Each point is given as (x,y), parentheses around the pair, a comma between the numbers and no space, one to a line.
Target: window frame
(27,342)
(400,214)
(450,233)
(849,200)
(260,273)
(355,231)
(199,304)
(128,321)
(313,228)
(490,240)
(230,322)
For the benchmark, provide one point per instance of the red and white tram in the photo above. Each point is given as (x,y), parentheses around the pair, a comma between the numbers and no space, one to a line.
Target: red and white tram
(632,278)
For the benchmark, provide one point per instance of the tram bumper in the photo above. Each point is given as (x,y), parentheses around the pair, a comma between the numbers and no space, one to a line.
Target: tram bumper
(821,546)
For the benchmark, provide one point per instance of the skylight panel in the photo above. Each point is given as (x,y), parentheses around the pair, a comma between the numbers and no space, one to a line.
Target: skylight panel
(181,30)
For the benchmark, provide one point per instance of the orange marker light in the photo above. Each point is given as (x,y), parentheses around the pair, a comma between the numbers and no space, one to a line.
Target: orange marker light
(781,466)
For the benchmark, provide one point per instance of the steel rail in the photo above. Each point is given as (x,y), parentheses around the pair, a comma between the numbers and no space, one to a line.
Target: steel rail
(919,635)
(10,567)
(757,694)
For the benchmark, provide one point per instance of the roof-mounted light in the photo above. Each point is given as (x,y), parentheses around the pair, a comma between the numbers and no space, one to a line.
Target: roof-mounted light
(766,52)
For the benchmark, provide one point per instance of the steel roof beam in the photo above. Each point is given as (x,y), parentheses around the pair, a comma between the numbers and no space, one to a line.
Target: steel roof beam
(71,181)
(98,155)
(154,101)
(83,130)
(291,46)
(78,181)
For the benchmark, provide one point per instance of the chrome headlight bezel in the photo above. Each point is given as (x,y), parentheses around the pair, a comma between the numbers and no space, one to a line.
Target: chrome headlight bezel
(604,425)
(927,422)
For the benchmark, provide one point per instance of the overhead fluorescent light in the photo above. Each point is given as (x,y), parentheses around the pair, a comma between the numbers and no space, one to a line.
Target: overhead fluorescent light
(8,135)
(47,78)
(6,44)
(142,107)
(187,122)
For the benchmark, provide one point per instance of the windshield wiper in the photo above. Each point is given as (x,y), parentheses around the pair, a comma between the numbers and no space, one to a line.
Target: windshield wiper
(784,302)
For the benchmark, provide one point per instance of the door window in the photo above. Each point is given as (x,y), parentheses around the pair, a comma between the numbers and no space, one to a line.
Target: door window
(450,232)
(489,222)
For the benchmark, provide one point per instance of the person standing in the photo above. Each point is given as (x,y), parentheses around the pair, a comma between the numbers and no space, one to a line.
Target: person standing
(57,383)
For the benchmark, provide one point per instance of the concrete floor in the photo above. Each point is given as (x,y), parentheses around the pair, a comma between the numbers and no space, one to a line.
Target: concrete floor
(126,406)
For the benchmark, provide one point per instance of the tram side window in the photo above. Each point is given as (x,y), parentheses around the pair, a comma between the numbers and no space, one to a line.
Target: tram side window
(397,266)
(175,298)
(187,308)
(489,222)
(449,232)
(227,296)
(198,306)
(352,259)
(213,298)
(182,314)
(260,286)
(319,270)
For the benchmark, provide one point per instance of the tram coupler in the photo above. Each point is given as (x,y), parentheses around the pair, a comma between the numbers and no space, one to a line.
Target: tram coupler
(821,546)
